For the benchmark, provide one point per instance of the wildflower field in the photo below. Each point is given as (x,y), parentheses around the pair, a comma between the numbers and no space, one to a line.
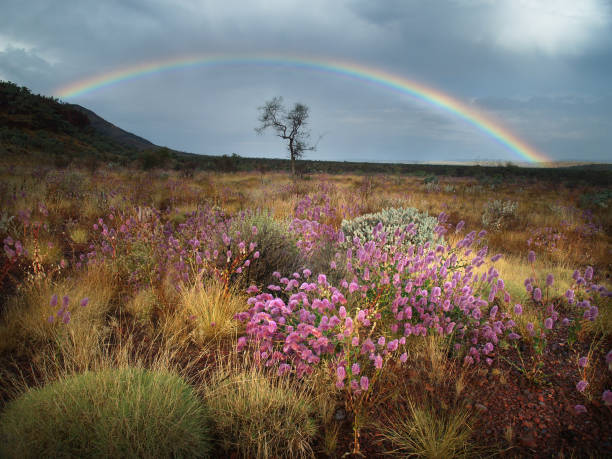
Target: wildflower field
(160,313)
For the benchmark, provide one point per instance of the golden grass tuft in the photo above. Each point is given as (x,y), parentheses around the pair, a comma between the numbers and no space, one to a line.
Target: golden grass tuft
(259,414)
(424,430)
(204,314)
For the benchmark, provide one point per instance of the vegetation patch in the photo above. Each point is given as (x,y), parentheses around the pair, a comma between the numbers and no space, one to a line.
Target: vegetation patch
(128,412)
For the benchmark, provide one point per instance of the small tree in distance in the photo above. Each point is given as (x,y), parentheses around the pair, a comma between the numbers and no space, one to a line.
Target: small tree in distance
(290,126)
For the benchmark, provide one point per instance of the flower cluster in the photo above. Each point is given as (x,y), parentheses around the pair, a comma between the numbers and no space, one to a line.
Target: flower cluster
(205,244)
(388,296)
(63,314)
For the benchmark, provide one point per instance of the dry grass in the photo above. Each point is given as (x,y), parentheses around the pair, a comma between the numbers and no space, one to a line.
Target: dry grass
(26,321)
(206,313)
(425,430)
(259,414)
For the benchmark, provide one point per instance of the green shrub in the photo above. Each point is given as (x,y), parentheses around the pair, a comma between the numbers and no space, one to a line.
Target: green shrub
(592,200)
(500,214)
(392,219)
(129,412)
(276,246)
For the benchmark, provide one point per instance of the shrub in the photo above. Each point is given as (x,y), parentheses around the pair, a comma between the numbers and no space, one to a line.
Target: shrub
(129,412)
(260,415)
(500,214)
(394,221)
(277,248)
(600,199)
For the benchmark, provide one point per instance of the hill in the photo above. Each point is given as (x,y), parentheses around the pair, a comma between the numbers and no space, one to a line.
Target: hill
(32,123)
(107,129)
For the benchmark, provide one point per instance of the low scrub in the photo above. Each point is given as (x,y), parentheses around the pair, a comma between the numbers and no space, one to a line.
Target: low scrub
(500,214)
(277,248)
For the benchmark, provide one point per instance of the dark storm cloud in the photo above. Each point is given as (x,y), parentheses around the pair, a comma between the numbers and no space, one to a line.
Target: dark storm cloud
(539,67)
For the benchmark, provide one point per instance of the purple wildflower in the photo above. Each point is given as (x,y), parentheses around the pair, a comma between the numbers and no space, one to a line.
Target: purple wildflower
(548,323)
(518,309)
(531,256)
(583,361)
(364,382)
(581,386)
(84,302)
(607,397)
(537,294)
(580,409)
(355,369)
(53,302)
(66,318)
(550,279)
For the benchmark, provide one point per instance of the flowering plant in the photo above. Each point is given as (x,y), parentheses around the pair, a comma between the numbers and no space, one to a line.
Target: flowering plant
(363,325)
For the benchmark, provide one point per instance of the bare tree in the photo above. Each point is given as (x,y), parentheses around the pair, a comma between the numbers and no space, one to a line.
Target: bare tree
(290,126)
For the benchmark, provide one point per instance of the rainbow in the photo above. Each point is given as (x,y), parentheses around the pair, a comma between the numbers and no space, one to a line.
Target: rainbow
(353,70)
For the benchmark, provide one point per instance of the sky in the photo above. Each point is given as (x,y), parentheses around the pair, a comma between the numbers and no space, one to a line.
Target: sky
(538,69)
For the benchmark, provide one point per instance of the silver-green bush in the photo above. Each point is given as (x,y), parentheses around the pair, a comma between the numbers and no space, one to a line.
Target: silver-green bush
(394,222)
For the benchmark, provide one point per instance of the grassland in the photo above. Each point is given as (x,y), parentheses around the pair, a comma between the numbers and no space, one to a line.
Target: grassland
(92,281)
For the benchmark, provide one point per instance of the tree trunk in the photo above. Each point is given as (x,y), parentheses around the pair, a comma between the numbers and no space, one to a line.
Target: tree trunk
(292,154)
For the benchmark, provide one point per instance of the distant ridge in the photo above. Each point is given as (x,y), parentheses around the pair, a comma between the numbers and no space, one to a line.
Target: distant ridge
(105,128)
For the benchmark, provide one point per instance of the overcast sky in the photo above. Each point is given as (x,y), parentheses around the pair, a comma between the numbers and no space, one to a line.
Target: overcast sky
(541,68)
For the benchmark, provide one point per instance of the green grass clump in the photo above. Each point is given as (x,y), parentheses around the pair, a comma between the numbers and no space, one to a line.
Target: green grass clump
(127,412)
